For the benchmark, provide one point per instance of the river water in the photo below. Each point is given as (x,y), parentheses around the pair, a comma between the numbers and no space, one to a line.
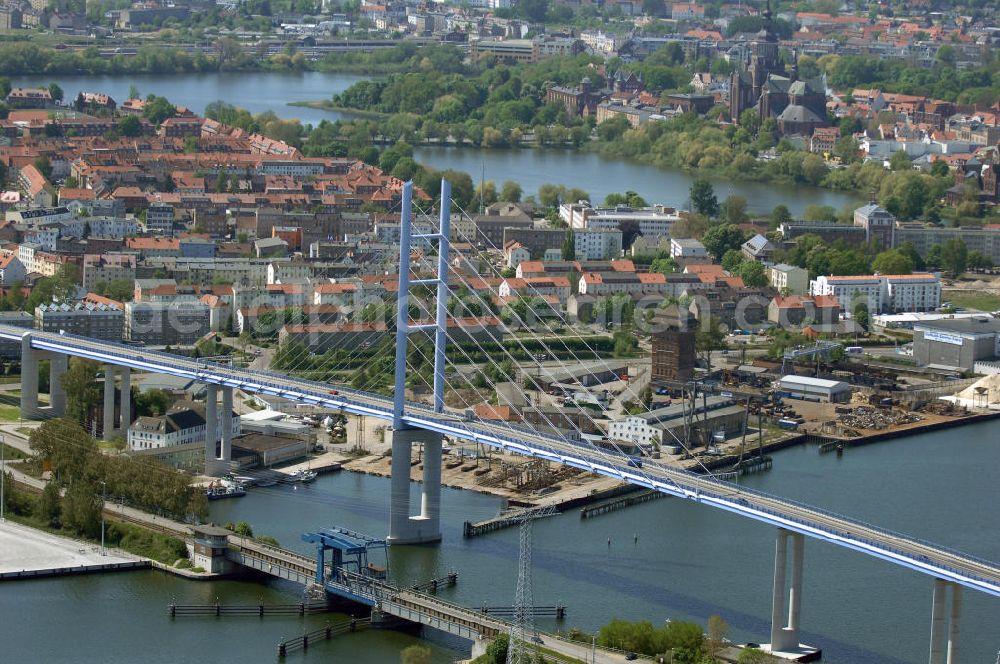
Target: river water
(690,562)
(270,91)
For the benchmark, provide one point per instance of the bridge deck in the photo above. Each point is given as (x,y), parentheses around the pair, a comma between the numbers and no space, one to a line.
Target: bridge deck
(900,549)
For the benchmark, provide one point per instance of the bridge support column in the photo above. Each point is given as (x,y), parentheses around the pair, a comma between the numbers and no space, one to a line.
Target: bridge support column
(29,378)
(786,607)
(227,425)
(109,402)
(58,364)
(425,528)
(937,623)
(125,403)
(956,611)
(212,465)
(942,652)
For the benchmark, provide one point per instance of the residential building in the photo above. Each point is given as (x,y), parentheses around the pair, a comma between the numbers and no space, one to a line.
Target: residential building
(106,268)
(792,311)
(166,323)
(11,270)
(29,98)
(183,423)
(597,244)
(789,279)
(99,321)
(882,293)
(652,222)
(758,248)
(878,223)
(687,248)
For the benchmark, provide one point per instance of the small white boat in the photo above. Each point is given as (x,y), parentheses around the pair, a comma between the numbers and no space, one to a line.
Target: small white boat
(302,475)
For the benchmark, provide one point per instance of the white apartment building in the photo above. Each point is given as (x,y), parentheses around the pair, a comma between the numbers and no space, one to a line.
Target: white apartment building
(183,424)
(882,293)
(597,244)
(653,221)
(913,292)
(850,291)
(687,249)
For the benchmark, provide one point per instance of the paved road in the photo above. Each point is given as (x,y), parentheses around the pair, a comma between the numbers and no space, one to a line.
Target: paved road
(23,548)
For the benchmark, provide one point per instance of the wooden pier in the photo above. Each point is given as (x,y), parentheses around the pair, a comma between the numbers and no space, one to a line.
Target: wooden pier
(432,585)
(620,503)
(260,610)
(557,612)
(322,634)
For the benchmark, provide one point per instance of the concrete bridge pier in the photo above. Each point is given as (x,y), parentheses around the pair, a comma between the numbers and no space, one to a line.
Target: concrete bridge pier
(786,607)
(227,425)
(58,365)
(426,527)
(109,402)
(29,378)
(942,651)
(125,402)
(213,464)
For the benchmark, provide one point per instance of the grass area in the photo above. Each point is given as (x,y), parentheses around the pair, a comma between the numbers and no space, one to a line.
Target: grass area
(12,453)
(973,300)
(326,105)
(125,536)
(10,413)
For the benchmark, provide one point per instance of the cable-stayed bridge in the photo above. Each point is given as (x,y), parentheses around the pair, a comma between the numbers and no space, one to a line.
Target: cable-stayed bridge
(414,422)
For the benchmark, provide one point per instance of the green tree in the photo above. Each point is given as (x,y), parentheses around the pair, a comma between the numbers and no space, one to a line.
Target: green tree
(496,652)
(243,529)
(56,92)
(732,260)
(129,126)
(753,274)
(703,198)
(81,387)
(511,192)
(900,161)
(779,215)
(734,210)
(718,629)
(152,403)
(569,246)
(665,265)
(49,506)
(720,239)
(892,261)
(939,168)
(954,257)
(549,195)
(81,509)
(629,198)
(158,109)
(861,315)
(416,654)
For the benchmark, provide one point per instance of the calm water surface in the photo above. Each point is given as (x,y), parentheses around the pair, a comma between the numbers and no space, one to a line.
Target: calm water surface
(271,91)
(255,91)
(690,562)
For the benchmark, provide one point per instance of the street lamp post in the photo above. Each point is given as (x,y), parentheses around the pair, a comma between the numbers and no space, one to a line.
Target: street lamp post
(103,489)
